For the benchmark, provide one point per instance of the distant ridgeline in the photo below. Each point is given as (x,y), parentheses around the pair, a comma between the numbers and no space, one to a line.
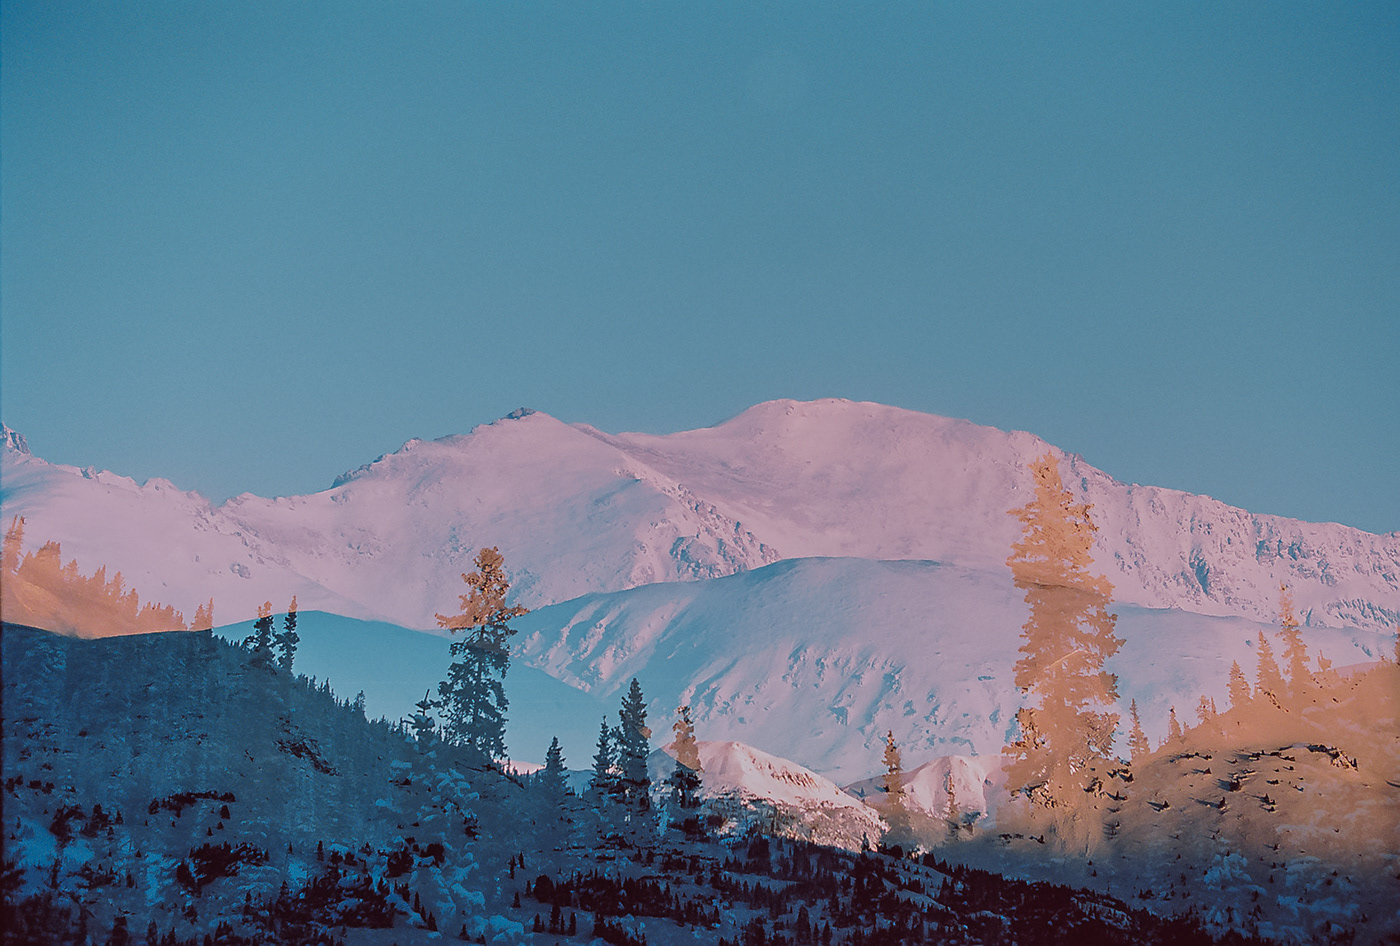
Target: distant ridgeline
(40,591)
(168,789)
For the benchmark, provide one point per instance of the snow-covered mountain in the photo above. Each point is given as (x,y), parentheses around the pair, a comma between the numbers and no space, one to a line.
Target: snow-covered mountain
(807,575)
(577,511)
(816,659)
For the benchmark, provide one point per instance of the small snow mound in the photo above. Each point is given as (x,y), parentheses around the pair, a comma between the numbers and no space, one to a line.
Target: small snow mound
(926,787)
(733,767)
(789,799)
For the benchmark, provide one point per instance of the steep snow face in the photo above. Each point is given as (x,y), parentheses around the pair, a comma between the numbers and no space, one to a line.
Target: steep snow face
(577,511)
(816,659)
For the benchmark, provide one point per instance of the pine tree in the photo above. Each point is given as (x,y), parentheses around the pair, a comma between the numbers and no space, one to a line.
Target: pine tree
(424,726)
(952,813)
(259,643)
(1138,746)
(1205,709)
(1239,686)
(1326,677)
(892,781)
(552,775)
(604,779)
(288,639)
(1066,641)
(14,541)
(633,748)
(203,617)
(473,695)
(1174,733)
(685,779)
(1268,679)
(1295,652)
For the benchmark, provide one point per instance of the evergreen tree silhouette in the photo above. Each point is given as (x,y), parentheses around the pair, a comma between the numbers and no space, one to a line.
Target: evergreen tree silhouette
(14,541)
(632,749)
(685,779)
(1138,746)
(259,643)
(1295,652)
(604,779)
(424,726)
(1268,678)
(473,695)
(892,781)
(1238,686)
(552,775)
(287,641)
(1174,733)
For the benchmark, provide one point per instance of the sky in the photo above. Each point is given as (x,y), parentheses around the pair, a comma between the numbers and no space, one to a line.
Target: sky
(249,246)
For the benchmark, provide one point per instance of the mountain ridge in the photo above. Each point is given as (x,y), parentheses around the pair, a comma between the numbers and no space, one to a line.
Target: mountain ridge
(578,511)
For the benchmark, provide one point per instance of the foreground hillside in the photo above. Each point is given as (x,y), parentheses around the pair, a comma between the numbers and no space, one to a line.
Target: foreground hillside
(577,511)
(161,786)
(1280,817)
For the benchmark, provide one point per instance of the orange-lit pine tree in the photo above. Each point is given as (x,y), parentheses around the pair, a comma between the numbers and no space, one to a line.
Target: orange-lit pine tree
(473,695)
(1138,745)
(893,783)
(1065,642)
(1174,732)
(1268,678)
(685,778)
(1295,652)
(1238,686)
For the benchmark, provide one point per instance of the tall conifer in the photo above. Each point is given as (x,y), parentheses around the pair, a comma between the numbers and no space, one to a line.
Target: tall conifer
(604,779)
(259,643)
(893,783)
(1268,678)
(552,777)
(1065,643)
(1295,652)
(1174,732)
(1138,746)
(633,748)
(473,695)
(287,641)
(685,778)
(1238,686)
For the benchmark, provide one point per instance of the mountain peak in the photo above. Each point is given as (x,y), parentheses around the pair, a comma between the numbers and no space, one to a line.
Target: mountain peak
(14,440)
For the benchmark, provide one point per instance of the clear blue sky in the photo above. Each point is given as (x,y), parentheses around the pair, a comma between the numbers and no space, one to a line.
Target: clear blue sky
(247,246)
